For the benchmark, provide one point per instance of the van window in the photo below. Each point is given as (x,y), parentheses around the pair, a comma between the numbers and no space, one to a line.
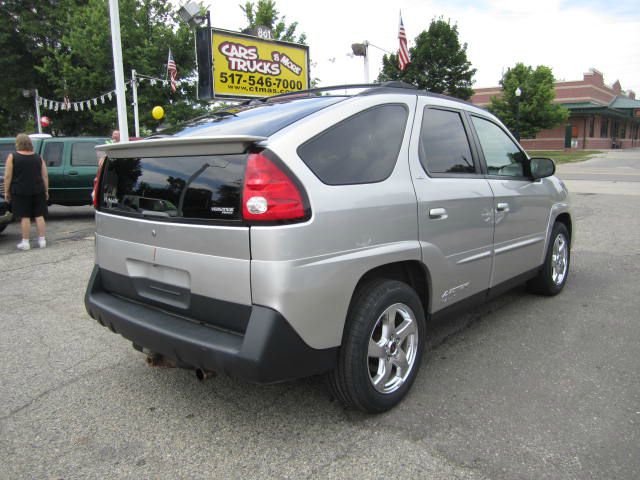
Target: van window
(5,150)
(501,154)
(84,154)
(52,153)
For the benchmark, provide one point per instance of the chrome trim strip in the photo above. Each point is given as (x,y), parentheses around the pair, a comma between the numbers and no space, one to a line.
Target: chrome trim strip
(475,257)
(521,244)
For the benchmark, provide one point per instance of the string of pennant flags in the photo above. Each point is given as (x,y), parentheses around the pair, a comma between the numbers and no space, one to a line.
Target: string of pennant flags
(67,105)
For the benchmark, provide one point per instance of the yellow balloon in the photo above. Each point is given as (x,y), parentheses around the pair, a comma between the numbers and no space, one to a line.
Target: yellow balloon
(157,112)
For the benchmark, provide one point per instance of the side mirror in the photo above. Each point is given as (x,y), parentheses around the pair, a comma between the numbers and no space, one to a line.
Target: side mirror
(542,167)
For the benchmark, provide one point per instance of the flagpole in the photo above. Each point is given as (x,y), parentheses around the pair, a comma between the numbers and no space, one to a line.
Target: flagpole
(116,43)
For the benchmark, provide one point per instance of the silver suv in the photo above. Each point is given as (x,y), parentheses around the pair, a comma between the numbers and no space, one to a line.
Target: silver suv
(319,233)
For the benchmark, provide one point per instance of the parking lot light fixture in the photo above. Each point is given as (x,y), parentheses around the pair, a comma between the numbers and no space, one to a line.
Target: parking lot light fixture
(518,92)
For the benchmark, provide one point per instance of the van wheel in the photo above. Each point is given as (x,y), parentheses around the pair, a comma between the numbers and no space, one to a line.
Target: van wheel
(382,347)
(555,270)
(2,227)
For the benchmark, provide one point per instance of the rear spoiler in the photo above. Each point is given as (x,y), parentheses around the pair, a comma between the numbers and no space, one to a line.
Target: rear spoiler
(181,146)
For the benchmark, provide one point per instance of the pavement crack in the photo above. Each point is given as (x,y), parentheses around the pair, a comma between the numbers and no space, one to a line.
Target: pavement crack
(59,387)
(37,265)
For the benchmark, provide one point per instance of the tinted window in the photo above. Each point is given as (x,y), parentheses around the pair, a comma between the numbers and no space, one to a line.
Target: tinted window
(361,149)
(502,156)
(5,149)
(260,118)
(202,187)
(444,147)
(84,154)
(52,153)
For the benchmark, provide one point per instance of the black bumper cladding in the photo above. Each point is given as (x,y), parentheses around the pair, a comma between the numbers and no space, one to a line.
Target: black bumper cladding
(269,351)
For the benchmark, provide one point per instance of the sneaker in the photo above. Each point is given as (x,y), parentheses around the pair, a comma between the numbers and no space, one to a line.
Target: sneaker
(42,242)
(24,245)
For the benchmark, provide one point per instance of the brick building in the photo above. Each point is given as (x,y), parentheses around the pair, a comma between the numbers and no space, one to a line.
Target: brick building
(601,116)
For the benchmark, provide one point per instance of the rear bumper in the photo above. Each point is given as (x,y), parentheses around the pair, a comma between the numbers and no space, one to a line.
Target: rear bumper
(269,351)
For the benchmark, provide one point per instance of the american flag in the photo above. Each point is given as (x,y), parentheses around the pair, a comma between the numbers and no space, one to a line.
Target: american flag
(403,53)
(172,71)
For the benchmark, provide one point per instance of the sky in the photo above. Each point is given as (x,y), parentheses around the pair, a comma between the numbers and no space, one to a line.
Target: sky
(569,36)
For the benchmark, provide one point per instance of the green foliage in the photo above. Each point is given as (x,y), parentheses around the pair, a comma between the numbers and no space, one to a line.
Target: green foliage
(537,110)
(264,13)
(63,47)
(438,62)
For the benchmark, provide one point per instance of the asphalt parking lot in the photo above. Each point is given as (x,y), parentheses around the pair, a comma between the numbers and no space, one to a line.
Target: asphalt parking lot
(523,387)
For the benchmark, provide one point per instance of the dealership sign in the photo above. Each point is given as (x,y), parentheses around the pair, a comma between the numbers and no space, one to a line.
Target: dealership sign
(245,66)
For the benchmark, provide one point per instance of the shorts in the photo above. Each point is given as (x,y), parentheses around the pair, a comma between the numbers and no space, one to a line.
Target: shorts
(29,206)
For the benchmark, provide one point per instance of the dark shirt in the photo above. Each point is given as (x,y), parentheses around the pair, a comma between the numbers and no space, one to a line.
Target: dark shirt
(27,174)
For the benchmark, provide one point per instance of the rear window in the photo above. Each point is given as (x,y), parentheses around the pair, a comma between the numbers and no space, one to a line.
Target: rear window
(261,118)
(175,188)
(361,149)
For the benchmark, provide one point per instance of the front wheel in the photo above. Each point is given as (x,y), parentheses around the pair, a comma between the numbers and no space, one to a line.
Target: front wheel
(382,347)
(555,270)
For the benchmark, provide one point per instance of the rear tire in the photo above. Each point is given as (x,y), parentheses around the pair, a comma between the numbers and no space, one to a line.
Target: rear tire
(555,270)
(382,347)
(2,227)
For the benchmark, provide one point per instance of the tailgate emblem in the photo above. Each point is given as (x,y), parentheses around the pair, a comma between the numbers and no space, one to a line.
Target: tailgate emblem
(153,232)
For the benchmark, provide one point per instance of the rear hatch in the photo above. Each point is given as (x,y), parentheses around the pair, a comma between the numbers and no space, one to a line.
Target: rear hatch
(169,229)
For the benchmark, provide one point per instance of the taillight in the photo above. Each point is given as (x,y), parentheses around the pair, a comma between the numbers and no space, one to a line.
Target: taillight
(269,194)
(96,182)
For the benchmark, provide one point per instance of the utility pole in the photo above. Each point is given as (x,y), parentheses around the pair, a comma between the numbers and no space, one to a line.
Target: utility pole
(38,112)
(134,86)
(114,13)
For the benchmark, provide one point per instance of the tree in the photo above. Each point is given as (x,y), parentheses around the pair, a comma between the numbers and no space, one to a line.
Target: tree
(438,62)
(264,13)
(537,110)
(68,52)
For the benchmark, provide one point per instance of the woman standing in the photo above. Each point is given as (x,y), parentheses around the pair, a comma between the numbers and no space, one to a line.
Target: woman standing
(27,180)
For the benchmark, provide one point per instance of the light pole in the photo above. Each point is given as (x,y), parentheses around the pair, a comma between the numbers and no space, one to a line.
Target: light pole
(362,50)
(116,45)
(518,92)
(34,92)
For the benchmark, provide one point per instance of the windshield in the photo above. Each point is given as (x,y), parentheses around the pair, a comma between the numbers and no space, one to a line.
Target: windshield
(262,119)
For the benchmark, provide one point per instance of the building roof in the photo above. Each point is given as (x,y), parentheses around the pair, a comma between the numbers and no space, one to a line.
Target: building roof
(624,103)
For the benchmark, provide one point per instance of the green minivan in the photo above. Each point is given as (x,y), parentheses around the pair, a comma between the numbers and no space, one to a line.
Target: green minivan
(72,164)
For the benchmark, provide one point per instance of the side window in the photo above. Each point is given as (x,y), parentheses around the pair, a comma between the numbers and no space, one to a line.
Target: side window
(52,153)
(5,150)
(503,157)
(444,146)
(84,154)
(361,149)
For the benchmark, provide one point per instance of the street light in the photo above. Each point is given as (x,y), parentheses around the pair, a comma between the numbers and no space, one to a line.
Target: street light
(361,50)
(190,13)
(518,92)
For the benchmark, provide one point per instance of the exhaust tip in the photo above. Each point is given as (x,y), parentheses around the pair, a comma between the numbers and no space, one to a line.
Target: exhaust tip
(202,375)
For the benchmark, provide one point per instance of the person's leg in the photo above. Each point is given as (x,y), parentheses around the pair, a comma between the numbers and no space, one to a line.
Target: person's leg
(39,211)
(41,228)
(25,226)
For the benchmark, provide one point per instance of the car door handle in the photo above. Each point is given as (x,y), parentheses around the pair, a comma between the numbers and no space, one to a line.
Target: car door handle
(502,207)
(73,172)
(438,214)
